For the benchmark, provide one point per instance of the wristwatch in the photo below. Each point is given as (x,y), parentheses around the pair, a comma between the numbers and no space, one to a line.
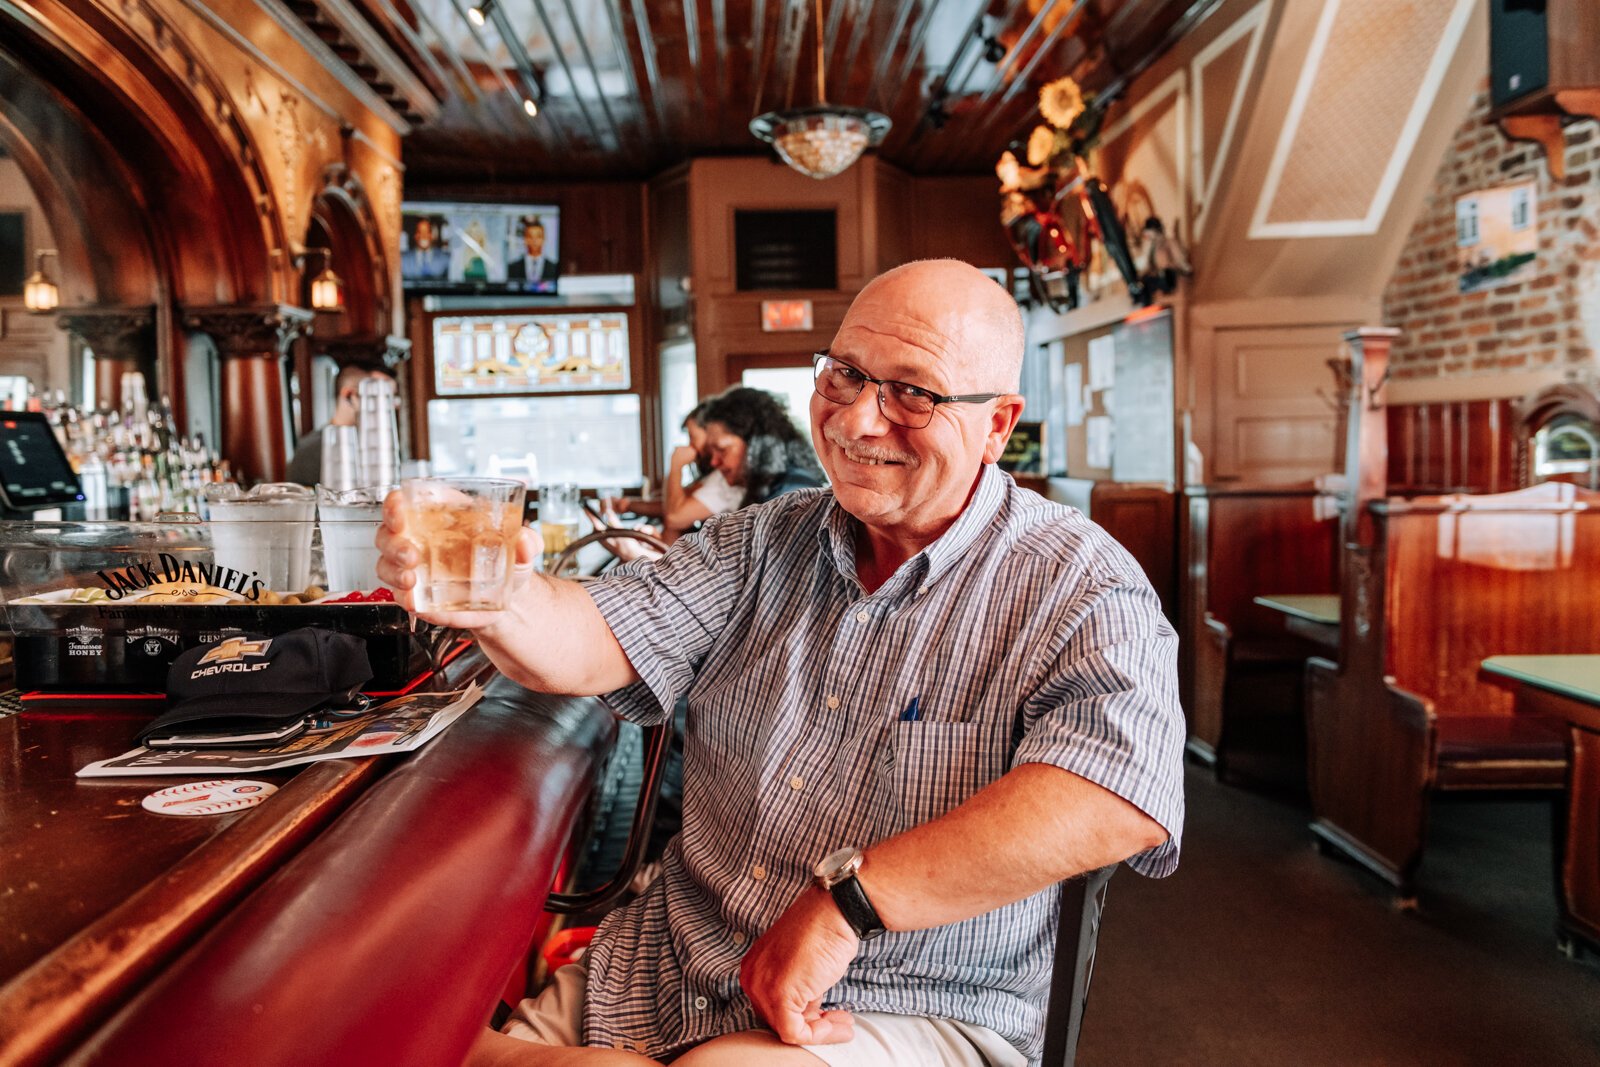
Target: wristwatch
(837,875)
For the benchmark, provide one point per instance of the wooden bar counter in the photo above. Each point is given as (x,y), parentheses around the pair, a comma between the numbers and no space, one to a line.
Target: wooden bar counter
(369,911)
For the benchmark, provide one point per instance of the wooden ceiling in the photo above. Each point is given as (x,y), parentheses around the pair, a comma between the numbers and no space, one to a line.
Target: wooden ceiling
(627,88)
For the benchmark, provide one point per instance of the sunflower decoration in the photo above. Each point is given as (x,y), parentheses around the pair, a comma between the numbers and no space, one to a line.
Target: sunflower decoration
(1035,176)
(1041,145)
(1061,102)
(1009,171)
(1070,128)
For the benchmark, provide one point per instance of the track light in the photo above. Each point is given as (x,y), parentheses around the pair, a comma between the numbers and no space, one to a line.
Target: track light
(530,107)
(994,50)
(478,14)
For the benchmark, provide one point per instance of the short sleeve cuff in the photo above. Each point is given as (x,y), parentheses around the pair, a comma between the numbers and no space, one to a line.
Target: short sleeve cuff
(1108,767)
(653,649)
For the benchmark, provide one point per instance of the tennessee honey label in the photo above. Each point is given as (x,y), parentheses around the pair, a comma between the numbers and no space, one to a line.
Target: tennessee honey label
(85,640)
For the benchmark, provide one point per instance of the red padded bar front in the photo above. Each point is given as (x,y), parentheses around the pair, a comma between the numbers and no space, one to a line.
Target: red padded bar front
(389,939)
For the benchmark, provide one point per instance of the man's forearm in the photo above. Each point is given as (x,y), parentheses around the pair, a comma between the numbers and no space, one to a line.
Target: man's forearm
(554,640)
(1034,826)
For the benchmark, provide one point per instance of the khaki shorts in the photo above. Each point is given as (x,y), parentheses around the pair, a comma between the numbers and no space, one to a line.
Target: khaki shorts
(555,1017)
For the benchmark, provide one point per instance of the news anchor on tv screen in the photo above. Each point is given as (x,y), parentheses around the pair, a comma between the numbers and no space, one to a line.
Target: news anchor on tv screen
(480,248)
(537,261)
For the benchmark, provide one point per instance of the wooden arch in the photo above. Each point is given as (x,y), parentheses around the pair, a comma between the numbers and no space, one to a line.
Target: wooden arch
(342,216)
(144,170)
(1544,407)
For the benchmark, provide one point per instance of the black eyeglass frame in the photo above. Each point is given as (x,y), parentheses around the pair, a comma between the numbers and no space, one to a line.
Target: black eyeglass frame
(866,379)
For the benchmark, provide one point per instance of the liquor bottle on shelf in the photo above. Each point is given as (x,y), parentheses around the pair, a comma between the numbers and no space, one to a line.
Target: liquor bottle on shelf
(133,463)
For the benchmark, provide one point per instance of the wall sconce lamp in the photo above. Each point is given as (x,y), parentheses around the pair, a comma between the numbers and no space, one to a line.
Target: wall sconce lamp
(327,290)
(39,294)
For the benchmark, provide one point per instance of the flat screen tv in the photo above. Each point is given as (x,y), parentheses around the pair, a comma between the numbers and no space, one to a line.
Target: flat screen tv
(453,247)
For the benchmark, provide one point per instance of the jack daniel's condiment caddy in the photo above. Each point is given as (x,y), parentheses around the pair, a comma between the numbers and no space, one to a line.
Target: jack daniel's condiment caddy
(106,606)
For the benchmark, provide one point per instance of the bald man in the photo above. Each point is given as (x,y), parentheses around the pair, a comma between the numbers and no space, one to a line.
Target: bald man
(918,700)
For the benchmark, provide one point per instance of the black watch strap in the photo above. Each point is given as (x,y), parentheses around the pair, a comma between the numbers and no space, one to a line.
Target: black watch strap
(856,908)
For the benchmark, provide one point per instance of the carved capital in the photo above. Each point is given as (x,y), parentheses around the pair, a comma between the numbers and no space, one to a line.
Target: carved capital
(250,330)
(396,350)
(367,351)
(120,333)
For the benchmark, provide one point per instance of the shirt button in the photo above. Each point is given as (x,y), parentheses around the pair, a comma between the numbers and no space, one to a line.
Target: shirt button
(833,702)
(797,783)
(922,590)
(862,616)
(758,872)
(700,1003)
(738,937)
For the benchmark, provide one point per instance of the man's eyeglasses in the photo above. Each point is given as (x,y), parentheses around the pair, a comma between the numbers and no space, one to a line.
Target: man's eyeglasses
(903,404)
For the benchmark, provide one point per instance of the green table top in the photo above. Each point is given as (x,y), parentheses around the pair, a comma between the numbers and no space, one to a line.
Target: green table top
(1314,607)
(1577,677)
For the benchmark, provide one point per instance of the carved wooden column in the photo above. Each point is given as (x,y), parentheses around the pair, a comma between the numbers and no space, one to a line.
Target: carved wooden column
(122,339)
(1366,449)
(252,341)
(1366,479)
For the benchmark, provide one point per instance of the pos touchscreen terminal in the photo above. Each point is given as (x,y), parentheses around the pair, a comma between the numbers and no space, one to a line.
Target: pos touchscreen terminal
(34,472)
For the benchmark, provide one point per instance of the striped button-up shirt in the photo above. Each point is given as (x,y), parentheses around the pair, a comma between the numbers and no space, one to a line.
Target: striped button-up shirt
(1023,635)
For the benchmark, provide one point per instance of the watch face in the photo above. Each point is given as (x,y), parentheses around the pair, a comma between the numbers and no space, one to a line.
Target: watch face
(837,865)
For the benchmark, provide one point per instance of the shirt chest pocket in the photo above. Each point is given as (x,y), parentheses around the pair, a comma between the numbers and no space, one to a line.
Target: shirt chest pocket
(938,765)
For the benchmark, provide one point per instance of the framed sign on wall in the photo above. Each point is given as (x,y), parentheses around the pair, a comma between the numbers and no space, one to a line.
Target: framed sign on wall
(1024,452)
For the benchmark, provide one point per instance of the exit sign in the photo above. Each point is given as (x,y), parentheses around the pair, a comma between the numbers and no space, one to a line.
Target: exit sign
(783,316)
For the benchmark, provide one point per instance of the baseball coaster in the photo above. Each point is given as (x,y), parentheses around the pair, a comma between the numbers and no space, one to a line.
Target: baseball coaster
(208,798)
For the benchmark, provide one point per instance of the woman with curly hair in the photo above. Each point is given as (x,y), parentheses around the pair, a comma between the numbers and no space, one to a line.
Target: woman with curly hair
(754,443)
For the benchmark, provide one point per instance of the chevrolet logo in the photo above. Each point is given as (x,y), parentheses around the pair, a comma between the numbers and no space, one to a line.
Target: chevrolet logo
(234,649)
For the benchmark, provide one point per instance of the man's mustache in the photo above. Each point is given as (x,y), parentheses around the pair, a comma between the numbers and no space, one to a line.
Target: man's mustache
(862,452)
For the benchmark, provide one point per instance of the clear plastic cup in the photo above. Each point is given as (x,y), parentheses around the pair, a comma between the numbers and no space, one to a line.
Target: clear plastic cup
(341,458)
(349,521)
(264,534)
(466,530)
(559,523)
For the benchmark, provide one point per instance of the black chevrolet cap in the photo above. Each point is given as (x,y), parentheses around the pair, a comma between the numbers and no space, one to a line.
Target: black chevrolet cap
(248,679)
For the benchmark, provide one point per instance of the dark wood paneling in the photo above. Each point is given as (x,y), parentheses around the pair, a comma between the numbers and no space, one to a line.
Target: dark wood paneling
(1465,446)
(1241,543)
(1445,583)
(1144,520)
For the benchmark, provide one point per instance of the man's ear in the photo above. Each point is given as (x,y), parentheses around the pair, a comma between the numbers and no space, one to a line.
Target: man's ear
(1001,422)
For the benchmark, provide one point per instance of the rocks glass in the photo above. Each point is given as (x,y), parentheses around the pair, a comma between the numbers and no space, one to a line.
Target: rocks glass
(466,530)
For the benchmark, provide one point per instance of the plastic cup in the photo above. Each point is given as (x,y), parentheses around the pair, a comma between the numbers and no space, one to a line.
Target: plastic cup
(341,458)
(466,530)
(349,523)
(264,534)
(559,523)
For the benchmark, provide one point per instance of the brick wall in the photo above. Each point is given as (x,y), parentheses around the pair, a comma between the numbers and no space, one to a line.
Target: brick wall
(1552,319)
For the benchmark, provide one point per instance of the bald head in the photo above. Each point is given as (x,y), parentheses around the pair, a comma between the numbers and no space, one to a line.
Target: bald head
(955,311)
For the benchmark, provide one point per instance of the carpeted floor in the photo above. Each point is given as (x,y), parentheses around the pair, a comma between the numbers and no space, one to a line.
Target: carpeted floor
(1261,951)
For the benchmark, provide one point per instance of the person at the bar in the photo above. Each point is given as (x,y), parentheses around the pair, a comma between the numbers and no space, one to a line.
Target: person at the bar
(756,447)
(305,467)
(685,503)
(918,700)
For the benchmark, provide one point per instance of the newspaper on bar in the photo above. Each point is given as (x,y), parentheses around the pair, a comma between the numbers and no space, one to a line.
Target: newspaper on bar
(404,724)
